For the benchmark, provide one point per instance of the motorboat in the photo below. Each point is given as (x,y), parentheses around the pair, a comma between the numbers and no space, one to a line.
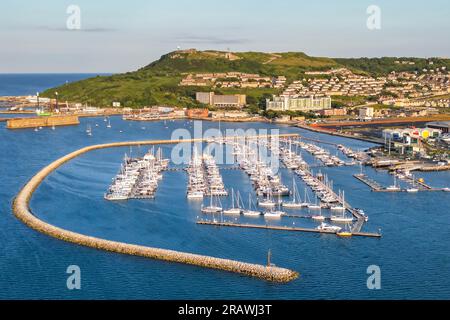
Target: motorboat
(328,228)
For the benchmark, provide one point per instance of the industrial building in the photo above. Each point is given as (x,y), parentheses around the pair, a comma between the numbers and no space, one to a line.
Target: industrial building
(443,126)
(409,140)
(222,101)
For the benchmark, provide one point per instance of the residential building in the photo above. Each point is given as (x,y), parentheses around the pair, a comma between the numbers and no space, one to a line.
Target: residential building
(366,113)
(333,112)
(285,103)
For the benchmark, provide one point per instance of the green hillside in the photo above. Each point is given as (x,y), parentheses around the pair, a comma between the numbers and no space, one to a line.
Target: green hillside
(157,83)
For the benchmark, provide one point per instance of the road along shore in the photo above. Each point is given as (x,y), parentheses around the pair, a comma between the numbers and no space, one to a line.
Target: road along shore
(23,212)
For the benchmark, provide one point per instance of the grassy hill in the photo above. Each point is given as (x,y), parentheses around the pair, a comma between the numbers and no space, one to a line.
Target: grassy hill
(157,83)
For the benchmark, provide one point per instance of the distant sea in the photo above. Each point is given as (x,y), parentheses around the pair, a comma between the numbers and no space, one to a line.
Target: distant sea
(19,84)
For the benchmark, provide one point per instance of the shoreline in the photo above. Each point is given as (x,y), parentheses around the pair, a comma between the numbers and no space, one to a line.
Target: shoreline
(337,134)
(22,211)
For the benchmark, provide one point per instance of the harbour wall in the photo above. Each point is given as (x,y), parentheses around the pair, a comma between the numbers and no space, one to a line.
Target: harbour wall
(22,123)
(23,212)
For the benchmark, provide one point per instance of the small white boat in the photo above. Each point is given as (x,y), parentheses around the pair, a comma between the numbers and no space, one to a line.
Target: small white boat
(266,204)
(195,195)
(273,214)
(251,213)
(341,219)
(212,209)
(329,228)
(313,206)
(318,218)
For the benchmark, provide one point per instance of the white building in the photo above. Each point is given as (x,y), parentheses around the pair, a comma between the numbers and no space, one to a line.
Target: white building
(285,103)
(366,113)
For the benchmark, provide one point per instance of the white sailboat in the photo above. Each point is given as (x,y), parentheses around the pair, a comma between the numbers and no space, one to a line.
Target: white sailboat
(414,189)
(306,202)
(314,206)
(89,130)
(212,208)
(318,217)
(275,214)
(267,202)
(394,187)
(249,212)
(342,218)
(109,124)
(235,209)
(296,201)
(339,207)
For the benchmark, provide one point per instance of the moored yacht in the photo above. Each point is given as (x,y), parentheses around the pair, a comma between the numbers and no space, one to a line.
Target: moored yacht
(212,208)
(250,212)
(328,228)
(235,209)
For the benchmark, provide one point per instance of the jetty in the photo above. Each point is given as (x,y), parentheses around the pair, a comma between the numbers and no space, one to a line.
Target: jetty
(22,211)
(282,228)
(377,187)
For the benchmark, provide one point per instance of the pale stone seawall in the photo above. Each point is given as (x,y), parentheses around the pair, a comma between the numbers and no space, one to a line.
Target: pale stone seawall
(23,123)
(23,212)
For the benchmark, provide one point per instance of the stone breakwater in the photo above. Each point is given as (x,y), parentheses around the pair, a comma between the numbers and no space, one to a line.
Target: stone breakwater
(23,123)
(23,212)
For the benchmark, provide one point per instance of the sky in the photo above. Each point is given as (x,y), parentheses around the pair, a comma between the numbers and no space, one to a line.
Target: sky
(119,36)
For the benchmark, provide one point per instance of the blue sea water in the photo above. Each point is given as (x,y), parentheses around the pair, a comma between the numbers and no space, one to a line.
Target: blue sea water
(29,84)
(413,254)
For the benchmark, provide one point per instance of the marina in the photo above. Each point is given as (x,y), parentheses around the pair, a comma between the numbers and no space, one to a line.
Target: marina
(138,178)
(174,212)
(270,203)
(22,212)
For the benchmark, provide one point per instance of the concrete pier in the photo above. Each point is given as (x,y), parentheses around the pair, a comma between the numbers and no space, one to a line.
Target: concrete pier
(281,228)
(23,212)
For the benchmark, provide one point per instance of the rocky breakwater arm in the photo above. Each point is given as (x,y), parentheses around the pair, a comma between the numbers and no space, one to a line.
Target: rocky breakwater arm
(23,212)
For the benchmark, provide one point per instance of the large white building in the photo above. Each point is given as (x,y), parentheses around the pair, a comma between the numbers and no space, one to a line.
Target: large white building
(366,113)
(285,103)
